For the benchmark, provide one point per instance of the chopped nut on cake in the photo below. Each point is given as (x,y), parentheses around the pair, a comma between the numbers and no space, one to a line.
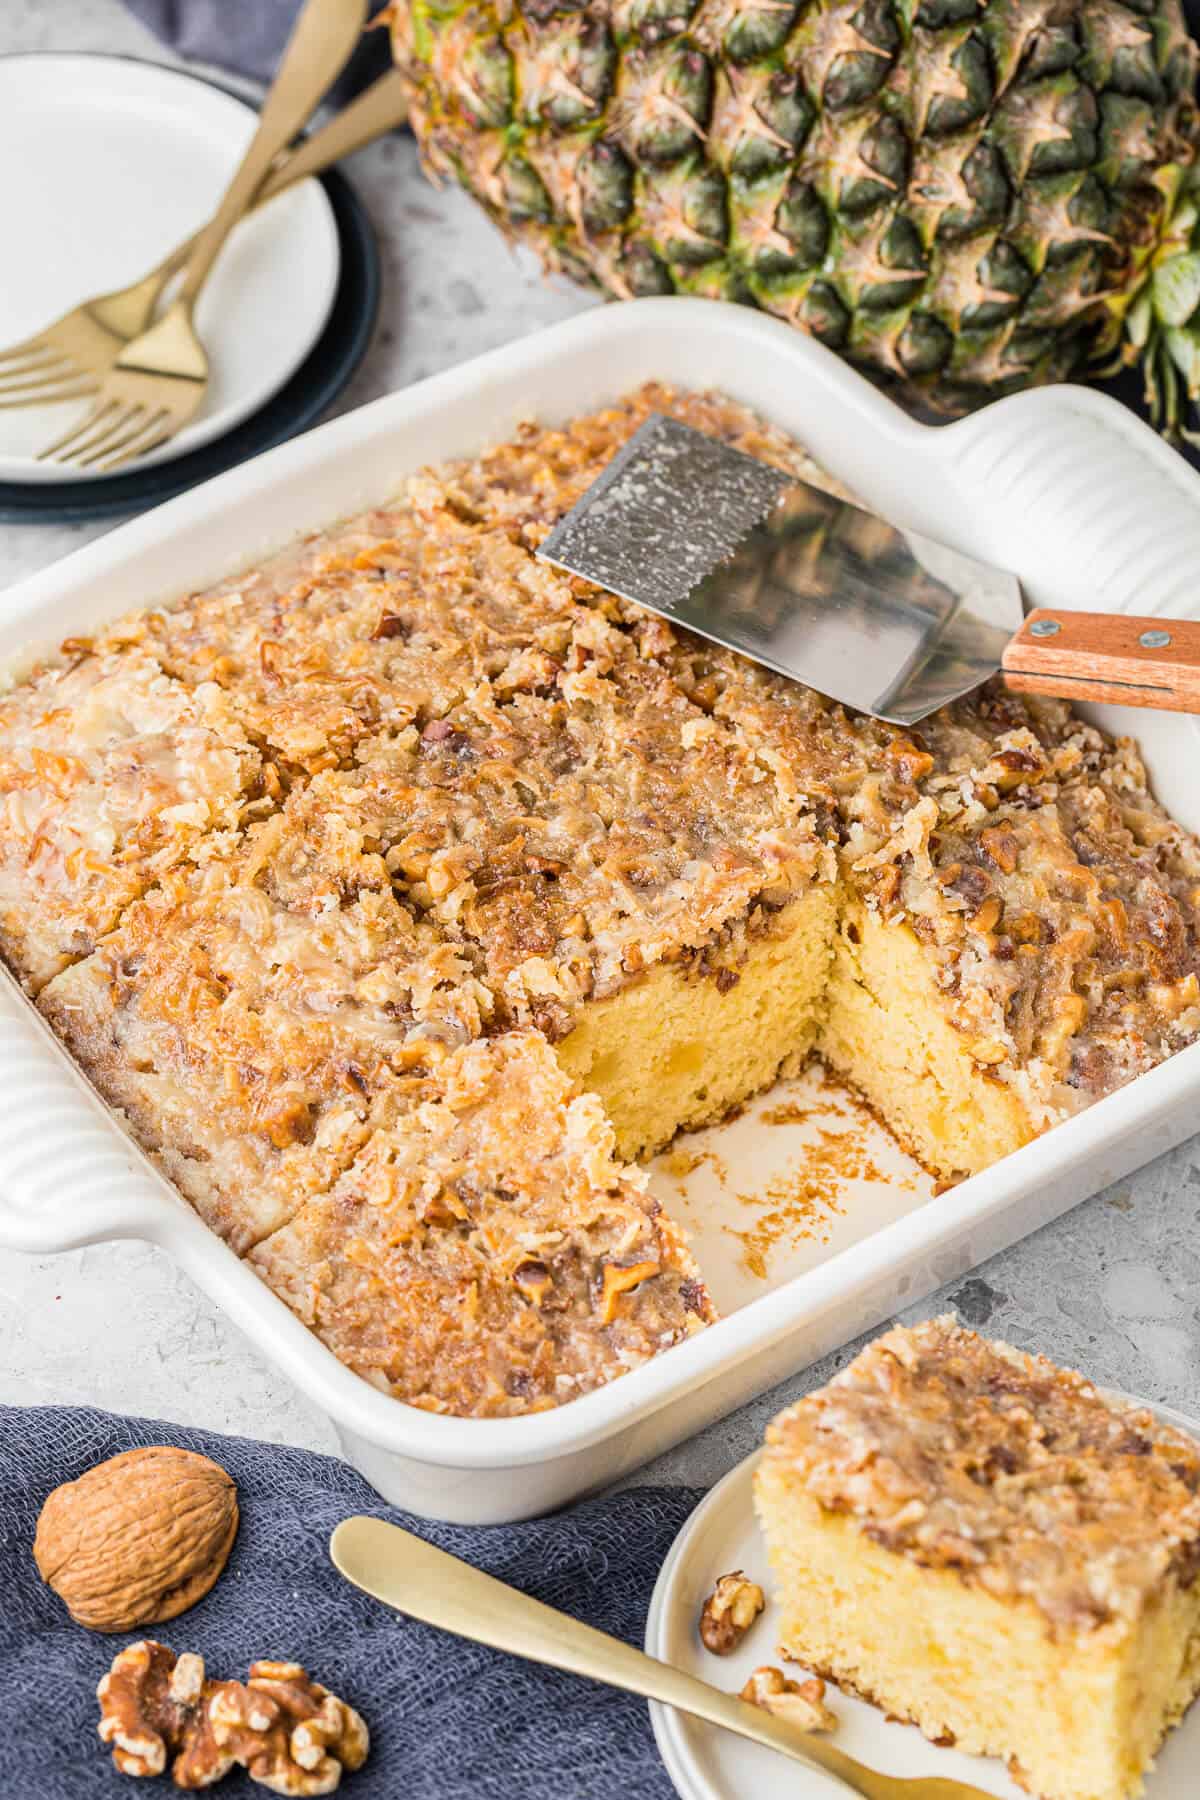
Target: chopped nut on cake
(111,775)
(485,1253)
(975,1539)
(244,1012)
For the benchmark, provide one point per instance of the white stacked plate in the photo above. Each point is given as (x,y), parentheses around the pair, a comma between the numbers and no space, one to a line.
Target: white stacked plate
(119,161)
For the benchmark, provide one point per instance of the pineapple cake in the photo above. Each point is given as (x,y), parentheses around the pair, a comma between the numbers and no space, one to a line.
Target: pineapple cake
(542,1272)
(436,888)
(962,196)
(110,773)
(983,1545)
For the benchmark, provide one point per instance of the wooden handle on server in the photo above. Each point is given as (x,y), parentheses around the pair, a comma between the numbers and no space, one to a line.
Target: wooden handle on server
(1108,656)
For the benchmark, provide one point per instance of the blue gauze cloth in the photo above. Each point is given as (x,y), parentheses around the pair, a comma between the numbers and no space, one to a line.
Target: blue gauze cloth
(247,37)
(448,1720)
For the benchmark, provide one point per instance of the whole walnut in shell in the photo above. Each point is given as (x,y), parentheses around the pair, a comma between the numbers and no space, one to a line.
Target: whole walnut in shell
(137,1539)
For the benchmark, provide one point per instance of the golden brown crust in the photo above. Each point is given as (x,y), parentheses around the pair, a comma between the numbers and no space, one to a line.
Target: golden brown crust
(485,1254)
(1059,905)
(245,1011)
(111,774)
(964,1454)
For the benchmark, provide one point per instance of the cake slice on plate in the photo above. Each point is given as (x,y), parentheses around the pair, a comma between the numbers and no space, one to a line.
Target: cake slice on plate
(981,1543)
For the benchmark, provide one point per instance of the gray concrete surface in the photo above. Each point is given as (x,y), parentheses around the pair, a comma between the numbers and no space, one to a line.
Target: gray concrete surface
(1113,1287)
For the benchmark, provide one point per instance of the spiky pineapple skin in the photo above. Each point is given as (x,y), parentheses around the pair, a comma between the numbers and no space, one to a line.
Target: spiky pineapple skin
(962,196)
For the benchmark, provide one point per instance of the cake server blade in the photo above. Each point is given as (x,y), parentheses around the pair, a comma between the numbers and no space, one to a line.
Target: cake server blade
(885,620)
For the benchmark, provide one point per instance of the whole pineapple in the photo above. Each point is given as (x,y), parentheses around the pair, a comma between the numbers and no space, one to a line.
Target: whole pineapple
(966,196)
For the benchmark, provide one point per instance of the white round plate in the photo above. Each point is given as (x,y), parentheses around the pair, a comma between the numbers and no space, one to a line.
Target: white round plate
(708,1764)
(110,163)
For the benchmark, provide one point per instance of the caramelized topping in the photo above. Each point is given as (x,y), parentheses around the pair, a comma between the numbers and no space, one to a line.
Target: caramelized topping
(969,1455)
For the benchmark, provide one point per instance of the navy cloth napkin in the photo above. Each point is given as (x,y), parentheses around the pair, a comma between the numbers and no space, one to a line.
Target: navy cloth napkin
(248,38)
(448,1720)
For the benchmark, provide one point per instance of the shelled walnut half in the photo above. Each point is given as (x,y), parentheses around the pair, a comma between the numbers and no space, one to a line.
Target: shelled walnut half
(801,1703)
(289,1733)
(729,1612)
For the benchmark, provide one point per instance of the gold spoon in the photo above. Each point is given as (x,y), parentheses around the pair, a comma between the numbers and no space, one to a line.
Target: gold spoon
(404,1571)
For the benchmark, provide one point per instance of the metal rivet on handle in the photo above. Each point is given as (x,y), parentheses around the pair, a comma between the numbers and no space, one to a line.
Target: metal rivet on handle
(1045,628)
(1155,640)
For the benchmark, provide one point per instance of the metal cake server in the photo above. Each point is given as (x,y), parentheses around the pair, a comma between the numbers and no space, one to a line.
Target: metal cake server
(887,621)
(417,1578)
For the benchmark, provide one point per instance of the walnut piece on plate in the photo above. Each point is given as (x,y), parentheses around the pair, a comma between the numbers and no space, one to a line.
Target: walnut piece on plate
(802,1703)
(289,1733)
(729,1612)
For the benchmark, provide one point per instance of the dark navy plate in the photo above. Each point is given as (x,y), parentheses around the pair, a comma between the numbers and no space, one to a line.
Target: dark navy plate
(316,384)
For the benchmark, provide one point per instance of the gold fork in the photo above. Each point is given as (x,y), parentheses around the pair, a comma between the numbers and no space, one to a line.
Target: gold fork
(416,1578)
(159,380)
(66,359)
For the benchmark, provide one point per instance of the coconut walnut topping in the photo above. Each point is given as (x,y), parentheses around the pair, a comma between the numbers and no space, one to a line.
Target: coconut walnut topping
(522,1265)
(965,1454)
(801,1703)
(289,1734)
(729,1612)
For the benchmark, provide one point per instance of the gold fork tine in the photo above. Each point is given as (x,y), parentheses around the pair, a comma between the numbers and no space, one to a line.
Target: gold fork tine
(117,426)
(142,448)
(145,436)
(24,348)
(40,369)
(31,359)
(37,394)
(89,420)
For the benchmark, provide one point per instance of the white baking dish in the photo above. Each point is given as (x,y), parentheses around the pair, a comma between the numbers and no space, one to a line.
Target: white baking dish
(1062,486)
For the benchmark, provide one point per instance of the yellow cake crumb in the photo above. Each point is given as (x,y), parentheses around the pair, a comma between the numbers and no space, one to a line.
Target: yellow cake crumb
(980,1543)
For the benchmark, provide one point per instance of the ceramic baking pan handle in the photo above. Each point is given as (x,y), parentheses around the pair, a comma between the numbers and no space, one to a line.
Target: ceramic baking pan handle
(1087,507)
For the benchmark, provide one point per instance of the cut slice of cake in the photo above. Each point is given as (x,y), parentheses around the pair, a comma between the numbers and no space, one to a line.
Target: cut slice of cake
(111,774)
(246,1012)
(627,878)
(981,1543)
(486,1254)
